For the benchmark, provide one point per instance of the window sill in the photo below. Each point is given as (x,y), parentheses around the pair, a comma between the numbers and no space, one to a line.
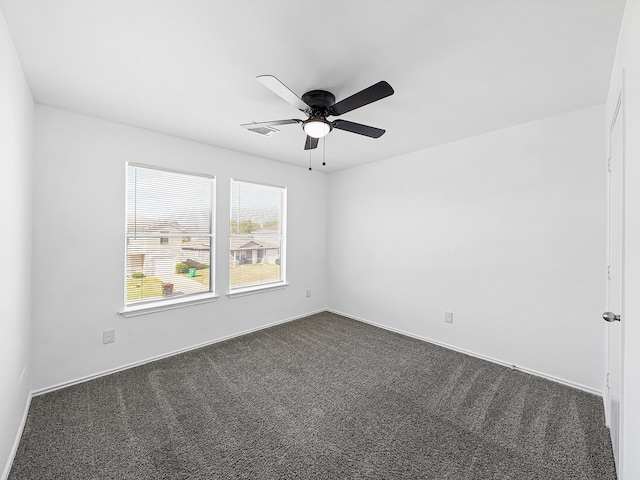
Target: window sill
(162,305)
(242,292)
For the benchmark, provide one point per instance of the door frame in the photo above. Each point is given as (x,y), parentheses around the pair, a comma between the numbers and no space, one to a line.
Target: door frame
(618,116)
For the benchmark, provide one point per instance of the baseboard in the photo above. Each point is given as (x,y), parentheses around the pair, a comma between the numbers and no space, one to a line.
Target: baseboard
(16,442)
(474,354)
(103,373)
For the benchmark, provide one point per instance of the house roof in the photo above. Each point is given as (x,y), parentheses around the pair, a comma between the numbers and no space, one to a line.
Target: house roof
(158,226)
(244,243)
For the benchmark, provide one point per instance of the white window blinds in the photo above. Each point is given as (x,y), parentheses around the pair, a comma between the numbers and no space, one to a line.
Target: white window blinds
(160,201)
(169,234)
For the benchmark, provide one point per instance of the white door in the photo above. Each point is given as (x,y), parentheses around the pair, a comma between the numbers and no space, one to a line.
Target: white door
(614,314)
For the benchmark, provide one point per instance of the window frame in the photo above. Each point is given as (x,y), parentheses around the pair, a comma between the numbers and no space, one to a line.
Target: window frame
(270,286)
(159,304)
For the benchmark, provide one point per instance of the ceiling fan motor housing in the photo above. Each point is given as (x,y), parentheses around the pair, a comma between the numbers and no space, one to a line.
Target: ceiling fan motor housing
(319,101)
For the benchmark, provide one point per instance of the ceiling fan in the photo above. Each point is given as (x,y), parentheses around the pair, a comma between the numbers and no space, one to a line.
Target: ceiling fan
(317,105)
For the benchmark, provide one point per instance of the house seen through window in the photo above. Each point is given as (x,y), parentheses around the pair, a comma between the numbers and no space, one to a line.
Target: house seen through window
(169,235)
(257,243)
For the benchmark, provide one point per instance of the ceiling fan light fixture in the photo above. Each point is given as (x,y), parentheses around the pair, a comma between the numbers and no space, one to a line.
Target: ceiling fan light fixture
(316,127)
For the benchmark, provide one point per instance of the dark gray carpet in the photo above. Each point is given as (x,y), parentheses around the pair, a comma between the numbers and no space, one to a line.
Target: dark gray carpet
(324,397)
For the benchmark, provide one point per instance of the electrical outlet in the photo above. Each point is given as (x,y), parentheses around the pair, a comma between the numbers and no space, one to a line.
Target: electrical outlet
(108,336)
(448,317)
(308,293)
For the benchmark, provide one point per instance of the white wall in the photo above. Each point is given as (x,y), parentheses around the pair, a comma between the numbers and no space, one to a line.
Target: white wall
(16,160)
(628,57)
(505,229)
(79,247)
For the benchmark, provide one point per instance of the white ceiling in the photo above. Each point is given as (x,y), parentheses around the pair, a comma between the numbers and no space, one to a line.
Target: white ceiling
(187,67)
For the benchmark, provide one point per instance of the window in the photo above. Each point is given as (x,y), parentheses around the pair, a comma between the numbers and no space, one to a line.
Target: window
(257,243)
(163,209)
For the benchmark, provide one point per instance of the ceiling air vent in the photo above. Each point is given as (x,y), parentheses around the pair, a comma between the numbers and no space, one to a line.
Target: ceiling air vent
(264,131)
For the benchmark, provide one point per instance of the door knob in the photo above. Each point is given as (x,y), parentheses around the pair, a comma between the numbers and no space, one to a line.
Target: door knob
(611,317)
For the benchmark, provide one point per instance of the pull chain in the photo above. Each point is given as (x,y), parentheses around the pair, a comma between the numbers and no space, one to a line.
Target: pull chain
(324,149)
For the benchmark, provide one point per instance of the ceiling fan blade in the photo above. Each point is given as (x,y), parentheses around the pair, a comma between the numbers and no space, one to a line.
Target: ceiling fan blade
(364,97)
(311,143)
(272,123)
(280,89)
(358,128)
